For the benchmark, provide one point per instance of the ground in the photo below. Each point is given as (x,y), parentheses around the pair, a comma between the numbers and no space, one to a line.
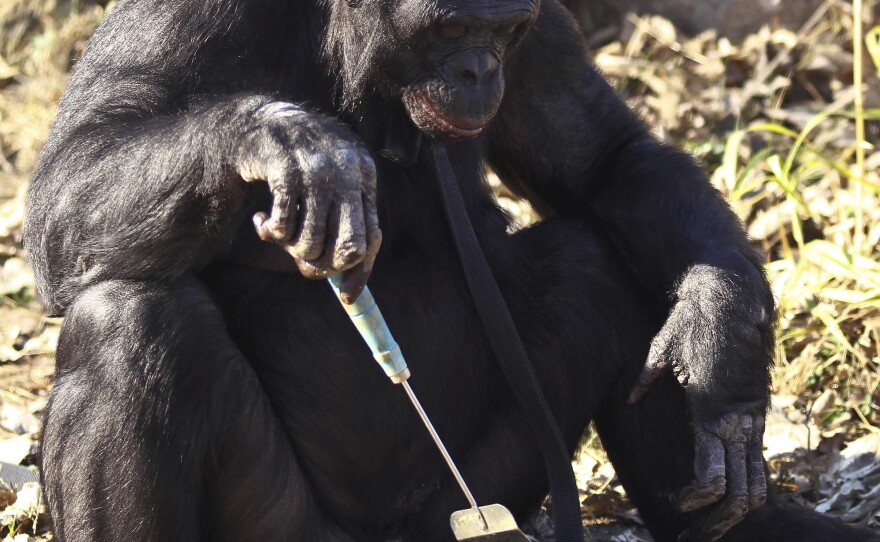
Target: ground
(776,119)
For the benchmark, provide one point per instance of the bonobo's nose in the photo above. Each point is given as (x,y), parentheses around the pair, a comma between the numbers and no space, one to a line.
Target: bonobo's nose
(474,67)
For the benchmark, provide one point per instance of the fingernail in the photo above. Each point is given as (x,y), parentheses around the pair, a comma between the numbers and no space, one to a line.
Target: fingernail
(351,296)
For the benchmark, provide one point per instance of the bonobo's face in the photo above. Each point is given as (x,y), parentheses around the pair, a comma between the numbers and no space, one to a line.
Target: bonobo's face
(442,58)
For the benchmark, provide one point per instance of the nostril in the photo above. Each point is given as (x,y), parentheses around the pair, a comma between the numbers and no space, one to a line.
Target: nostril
(475,67)
(467,75)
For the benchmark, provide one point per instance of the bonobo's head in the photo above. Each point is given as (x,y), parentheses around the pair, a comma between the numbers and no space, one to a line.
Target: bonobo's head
(442,58)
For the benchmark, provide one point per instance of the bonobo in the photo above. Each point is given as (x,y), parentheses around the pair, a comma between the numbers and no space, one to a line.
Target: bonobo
(212,156)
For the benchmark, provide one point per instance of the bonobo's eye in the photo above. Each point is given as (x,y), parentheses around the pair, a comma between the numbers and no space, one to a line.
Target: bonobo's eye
(504,34)
(506,30)
(451,31)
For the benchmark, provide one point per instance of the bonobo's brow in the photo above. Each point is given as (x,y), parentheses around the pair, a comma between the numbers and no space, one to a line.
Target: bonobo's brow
(488,12)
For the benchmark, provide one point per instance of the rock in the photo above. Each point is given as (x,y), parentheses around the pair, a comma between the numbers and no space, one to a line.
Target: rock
(15,449)
(15,419)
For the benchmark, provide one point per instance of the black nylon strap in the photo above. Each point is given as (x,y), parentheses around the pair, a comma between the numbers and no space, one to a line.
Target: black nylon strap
(512,356)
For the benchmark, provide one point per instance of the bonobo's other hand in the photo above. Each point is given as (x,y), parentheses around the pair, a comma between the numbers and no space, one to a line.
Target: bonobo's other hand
(323,184)
(717,341)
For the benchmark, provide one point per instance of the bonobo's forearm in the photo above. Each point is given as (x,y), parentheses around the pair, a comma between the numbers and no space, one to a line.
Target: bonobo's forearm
(666,218)
(134,198)
(684,242)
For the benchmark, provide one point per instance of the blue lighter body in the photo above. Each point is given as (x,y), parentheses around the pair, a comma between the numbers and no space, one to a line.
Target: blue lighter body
(368,320)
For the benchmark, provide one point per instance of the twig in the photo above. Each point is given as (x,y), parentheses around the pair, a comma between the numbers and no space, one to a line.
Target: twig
(859,103)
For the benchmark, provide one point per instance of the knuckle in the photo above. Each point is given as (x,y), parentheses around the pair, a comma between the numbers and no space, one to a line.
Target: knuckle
(700,498)
(308,249)
(374,233)
(350,253)
(348,157)
(657,355)
(734,427)
(281,217)
(309,273)
(274,229)
(758,499)
(264,234)
(309,270)
(736,507)
(319,166)
(310,254)
(717,490)
(367,163)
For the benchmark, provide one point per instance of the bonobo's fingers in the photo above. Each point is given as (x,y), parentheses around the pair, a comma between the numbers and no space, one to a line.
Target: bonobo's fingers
(723,516)
(308,243)
(279,226)
(757,473)
(725,456)
(355,279)
(709,469)
(362,210)
(350,246)
(655,367)
(322,267)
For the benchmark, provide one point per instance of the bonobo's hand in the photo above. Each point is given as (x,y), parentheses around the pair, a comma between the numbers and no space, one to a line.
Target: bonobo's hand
(323,184)
(717,341)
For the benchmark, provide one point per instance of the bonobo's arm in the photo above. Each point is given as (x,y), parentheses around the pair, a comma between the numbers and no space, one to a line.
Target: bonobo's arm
(568,142)
(144,170)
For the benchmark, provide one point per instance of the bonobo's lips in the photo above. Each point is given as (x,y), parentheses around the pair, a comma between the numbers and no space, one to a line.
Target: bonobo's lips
(457,128)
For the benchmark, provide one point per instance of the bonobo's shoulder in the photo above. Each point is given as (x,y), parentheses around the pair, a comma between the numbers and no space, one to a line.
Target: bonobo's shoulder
(554,41)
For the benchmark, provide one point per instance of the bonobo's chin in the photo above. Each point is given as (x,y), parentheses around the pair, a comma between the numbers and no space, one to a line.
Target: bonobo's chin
(438,122)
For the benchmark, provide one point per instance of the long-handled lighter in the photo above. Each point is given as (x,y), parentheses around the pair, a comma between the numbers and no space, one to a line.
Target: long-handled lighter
(478,523)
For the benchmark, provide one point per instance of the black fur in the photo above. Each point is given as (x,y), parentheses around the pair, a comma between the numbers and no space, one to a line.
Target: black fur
(207,391)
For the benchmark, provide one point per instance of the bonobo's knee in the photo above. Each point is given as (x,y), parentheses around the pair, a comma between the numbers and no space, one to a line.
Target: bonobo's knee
(134,377)
(149,346)
(138,319)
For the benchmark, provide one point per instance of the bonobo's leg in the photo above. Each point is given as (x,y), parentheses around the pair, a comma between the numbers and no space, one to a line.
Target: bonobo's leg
(157,429)
(579,314)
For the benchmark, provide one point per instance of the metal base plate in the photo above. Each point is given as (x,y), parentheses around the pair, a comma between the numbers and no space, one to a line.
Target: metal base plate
(499,525)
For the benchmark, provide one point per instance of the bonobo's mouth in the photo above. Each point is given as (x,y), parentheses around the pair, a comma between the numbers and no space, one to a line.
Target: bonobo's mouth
(456,128)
